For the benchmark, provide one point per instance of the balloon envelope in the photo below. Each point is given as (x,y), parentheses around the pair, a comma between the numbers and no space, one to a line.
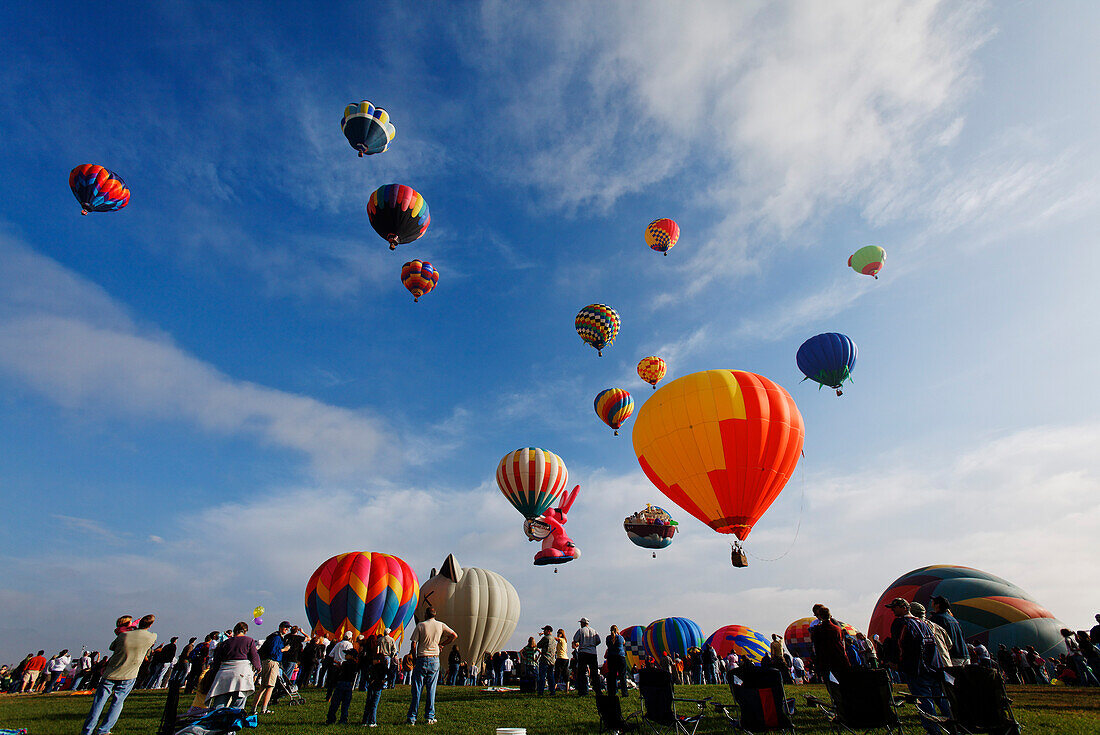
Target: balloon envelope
(989,609)
(481,606)
(636,653)
(367,128)
(797,636)
(745,642)
(597,324)
(613,406)
(398,214)
(827,359)
(672,635)
(532,479)
(97,189)
(364,592)
(662,234)
(721,444)
(651,369)
(650,528)
(419,277)
(868,260)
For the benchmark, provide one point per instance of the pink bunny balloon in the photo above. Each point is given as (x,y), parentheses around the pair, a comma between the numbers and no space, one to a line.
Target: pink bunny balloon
(557,547)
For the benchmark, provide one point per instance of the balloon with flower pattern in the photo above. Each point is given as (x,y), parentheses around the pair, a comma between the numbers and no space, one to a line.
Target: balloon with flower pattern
(97,189)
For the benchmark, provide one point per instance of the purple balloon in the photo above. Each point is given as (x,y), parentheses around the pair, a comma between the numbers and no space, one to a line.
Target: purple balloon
(258,621)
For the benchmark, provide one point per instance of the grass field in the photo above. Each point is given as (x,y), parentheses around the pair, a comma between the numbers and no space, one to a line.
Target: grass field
(467,710)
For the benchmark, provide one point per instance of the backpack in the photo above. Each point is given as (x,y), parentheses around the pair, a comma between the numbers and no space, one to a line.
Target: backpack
(931,660)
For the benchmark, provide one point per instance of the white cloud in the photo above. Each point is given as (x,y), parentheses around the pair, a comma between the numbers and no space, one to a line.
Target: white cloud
(66,338)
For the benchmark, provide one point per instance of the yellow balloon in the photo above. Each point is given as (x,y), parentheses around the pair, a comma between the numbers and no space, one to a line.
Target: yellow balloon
(258,612)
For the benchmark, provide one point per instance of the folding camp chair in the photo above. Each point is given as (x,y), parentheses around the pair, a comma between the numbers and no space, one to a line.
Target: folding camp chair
(610,711)
(861,700)
(221,721)
(659,701)
(760,702)
(979,703)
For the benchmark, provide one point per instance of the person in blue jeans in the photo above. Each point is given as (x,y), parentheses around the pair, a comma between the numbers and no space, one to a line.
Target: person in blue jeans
(547,646)
(377,677)
(427,639)
(345,674)
(616,661)
(119,675)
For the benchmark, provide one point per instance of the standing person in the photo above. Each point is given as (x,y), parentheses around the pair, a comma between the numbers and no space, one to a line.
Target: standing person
(616,661)
(454,661)
(710,664)
(183,665)
(942,616)
(295,642)
(387,657)
(232,673)
(271,656)
(344,686)
(159,679)
(377,678)
(426,640)
(334,658)
(307,663)
(587,641)
(867,651)
(130,649)
(83,670)
(548,648)
(919,661)
(828,642)
(32,670)
(56,669)
(199,660)
(506,668)
(561,659)
(1007,664)
(528,659)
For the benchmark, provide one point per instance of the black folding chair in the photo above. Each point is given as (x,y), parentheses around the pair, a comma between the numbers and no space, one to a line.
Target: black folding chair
(610,711)
(862,700)
(979,702)
(659,711)
(761,704)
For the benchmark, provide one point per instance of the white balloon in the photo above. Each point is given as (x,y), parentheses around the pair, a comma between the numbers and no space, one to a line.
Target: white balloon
(481,606)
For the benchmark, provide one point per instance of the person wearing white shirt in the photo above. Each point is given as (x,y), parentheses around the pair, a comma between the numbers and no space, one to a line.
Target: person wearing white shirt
(56,667)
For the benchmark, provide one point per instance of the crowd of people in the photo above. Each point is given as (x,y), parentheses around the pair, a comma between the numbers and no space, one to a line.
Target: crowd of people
(226,668)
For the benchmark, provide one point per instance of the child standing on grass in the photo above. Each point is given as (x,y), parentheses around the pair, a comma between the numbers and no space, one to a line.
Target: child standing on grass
(378,675)
(345,674)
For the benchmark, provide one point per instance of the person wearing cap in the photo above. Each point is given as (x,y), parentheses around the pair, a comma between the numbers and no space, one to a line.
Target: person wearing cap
(827,638)
(616,661)
(918,660)
(547,650)
(942,639)
(587,640)
(941,615)
(428,637)
(271,654)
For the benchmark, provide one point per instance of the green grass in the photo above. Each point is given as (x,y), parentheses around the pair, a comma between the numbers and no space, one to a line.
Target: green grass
(468,711)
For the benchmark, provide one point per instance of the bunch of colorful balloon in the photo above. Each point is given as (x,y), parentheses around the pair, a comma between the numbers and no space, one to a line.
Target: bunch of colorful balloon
(258,615)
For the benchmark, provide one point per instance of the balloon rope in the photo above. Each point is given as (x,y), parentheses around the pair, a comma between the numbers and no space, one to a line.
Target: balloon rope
(797,528)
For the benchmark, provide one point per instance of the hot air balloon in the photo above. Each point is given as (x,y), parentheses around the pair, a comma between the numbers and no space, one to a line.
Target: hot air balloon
(613,406)
(662,234)
(532,479)
(364,592)
(990,610)
(398,213)
(367,128)
(828,359)
(419,277)
(721,444)
(651,369)
(650,528)
(597,324)
(636,653)
(97,189)
(797,636)
(672,635)
(481,606)
(868,260)
(745,642)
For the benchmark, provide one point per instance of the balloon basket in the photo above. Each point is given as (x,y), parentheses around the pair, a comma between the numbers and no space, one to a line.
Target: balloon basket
(738,557)
(654,554)
(839,392)
(616,433)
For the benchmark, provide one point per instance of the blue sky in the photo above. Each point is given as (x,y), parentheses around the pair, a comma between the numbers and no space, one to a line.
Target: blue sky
(210,392)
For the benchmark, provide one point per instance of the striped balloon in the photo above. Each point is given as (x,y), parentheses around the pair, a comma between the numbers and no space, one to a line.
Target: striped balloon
(613,406)
(745,642)
(419,277)
(97,189)
(363,592)
(651,369)
(597,324)
(797,636)
(662,234)
(398,214)
(532,479)
(636,653)
(672,635)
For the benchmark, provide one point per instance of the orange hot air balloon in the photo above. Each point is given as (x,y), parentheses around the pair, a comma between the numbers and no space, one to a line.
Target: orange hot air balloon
(721,444)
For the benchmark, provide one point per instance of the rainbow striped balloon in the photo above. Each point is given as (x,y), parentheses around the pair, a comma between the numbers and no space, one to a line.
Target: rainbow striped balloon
(597,324)
(745,642)
(672,635)
(532,479)
(651,369)
(635,645)
(398,213)
(363,592)
(613,406)
(662,234)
